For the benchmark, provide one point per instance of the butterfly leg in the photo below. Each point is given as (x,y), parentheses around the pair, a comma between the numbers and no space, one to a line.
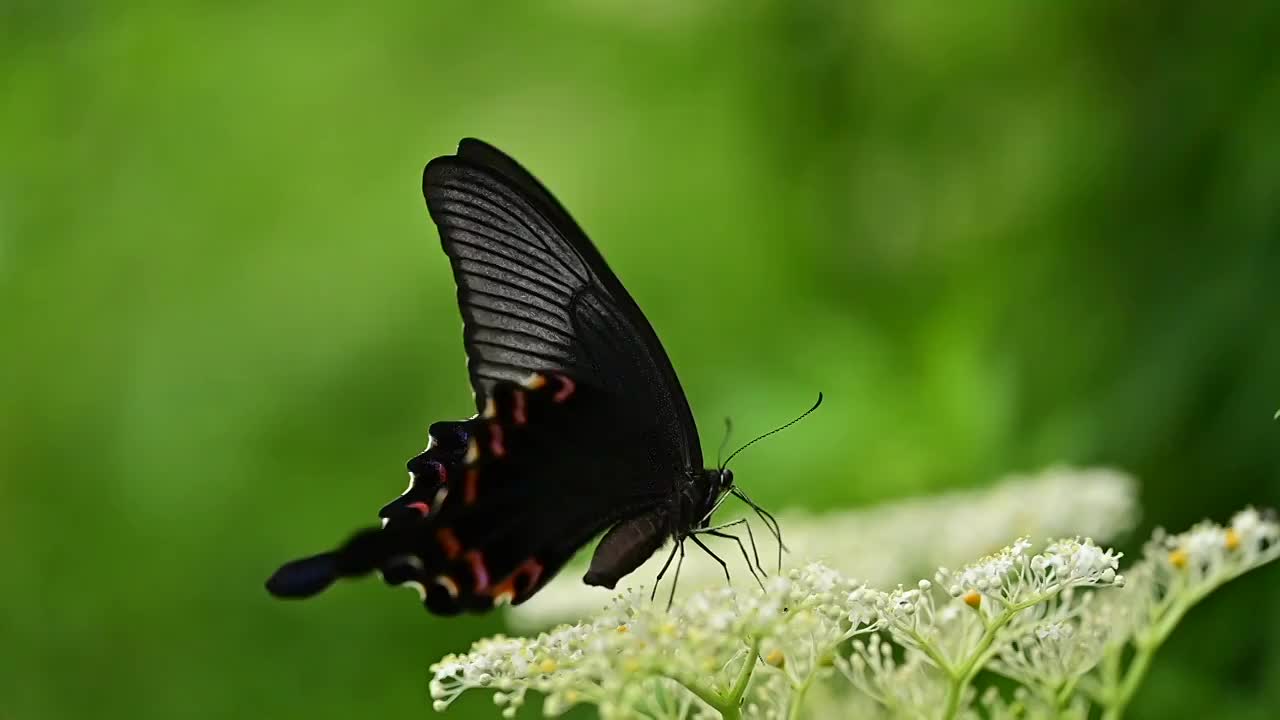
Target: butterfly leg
(663,571)
(717,532)
(676,580)
(755,552)
(723,565)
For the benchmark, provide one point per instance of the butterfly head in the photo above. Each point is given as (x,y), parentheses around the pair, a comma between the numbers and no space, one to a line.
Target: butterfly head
(726,479)
(711,487)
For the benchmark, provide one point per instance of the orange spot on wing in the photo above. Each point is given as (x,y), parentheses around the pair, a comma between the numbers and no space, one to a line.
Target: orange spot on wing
(567,387)
(530,570)
(489,408)
(449,543)
(473,452)
(421,507)
(535,381)
(469,488)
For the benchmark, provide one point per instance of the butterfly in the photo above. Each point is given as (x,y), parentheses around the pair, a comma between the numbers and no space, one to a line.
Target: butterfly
(582,427)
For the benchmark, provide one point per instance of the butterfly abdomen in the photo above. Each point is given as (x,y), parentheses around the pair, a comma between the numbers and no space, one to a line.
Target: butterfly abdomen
(626,546)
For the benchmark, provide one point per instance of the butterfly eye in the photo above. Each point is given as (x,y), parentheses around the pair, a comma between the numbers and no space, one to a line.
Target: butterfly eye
(726,478)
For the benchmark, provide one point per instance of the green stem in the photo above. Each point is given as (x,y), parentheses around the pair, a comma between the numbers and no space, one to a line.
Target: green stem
(744,675)
(729,704)
(797,697)
(930,652)
(963,675)
(1058,697)
(1120,693)
(1132,677)
(728,710)
(1144,649)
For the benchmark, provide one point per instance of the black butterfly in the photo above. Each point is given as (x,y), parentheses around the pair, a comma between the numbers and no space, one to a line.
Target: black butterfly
(582,426)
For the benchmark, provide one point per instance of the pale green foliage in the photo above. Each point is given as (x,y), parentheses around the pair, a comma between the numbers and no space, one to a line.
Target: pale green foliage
(1072,632)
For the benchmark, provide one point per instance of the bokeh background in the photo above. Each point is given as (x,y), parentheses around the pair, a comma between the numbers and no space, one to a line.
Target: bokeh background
(998,235)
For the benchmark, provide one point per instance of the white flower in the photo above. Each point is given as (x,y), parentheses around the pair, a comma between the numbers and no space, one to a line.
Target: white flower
(1252,534)
(890,543)
(1046,620)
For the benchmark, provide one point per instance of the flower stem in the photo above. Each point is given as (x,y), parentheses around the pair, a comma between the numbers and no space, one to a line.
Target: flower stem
(728,710)
(962,675)
(797,697)
(1146,645)
(744,675)
(1063,696)
(1144,649)
(728,704)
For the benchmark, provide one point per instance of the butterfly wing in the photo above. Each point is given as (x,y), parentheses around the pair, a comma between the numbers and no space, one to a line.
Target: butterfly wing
(428,473)
(536,295)
(369,550)
(582,422)
(528,493)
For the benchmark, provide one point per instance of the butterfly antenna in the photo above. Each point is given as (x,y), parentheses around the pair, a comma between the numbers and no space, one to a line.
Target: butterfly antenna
(779,429)
(728,429)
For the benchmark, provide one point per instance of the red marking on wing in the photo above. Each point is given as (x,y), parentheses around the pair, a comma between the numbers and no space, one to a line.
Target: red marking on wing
(478,570)
(469,488)
(517,412)
(495,440)
(449,543)
(505,590)
(530,569)
(567,387)
(533,570)
(421,507)
(440,470)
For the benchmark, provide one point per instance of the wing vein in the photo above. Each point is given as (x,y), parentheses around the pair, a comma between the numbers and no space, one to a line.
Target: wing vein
(526,319)
(502,279)
(536,241)
(550,361)
(549,278)
(509,331)
(501,211)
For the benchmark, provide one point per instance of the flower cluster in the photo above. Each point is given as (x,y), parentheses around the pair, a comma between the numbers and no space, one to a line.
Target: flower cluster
(1010,577)
(637,656)
(893,542)
(1073,633)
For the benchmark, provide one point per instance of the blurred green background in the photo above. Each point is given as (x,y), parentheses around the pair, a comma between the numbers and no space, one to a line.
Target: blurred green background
(998,235)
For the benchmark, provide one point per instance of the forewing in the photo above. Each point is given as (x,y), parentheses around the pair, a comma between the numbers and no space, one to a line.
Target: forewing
(535,295)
